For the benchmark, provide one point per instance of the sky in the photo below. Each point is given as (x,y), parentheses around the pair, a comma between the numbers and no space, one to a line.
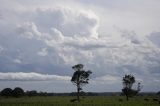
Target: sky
(40,41)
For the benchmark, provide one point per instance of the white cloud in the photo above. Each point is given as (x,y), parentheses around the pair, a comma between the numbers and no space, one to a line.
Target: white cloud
(107,79)
(1,49)
(17,61)
(21,76)
(58,36)
(29,30)
(43,52)
(67,21)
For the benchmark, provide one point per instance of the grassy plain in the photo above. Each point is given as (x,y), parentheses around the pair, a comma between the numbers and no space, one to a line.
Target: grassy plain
(85,101)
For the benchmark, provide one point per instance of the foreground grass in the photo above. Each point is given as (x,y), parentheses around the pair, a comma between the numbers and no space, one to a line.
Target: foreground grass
(85,101)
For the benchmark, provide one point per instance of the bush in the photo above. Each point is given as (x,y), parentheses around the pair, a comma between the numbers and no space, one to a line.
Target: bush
(31,93)
(18,92)
(6,92)
(158,93)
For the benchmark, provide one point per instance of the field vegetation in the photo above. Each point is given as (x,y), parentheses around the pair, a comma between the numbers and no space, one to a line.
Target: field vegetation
(85,101)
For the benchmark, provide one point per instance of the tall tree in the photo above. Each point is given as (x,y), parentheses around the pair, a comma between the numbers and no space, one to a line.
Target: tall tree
(128,81)
(80,77)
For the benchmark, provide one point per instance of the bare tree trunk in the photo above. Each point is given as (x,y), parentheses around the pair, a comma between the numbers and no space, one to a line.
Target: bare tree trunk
(78,88)
(78,95)
(78,99)
(127,94)
(127,97)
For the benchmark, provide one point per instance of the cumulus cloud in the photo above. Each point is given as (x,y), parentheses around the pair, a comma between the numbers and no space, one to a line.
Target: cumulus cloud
(29,30)
(21,76)
(43,52)
(73,38)
(69,22)
(155,38)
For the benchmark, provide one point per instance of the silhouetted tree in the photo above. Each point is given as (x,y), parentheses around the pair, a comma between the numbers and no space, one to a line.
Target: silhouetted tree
(128,81)
(18,92)
(80,77)
(6,92)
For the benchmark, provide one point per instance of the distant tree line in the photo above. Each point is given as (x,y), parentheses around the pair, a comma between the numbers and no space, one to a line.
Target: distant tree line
(19,92)
(36,93)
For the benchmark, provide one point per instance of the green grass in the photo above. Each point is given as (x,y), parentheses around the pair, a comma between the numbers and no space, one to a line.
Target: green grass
(86,101)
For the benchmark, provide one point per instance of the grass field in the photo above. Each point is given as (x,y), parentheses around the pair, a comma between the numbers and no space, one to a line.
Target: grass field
(85,101)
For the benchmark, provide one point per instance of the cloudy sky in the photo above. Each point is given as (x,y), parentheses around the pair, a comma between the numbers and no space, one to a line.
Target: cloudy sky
(40,40)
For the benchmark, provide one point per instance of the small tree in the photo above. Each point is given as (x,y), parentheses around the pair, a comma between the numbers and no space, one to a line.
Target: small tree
(80,77)
(18,92)
(6,92)
(128,81)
